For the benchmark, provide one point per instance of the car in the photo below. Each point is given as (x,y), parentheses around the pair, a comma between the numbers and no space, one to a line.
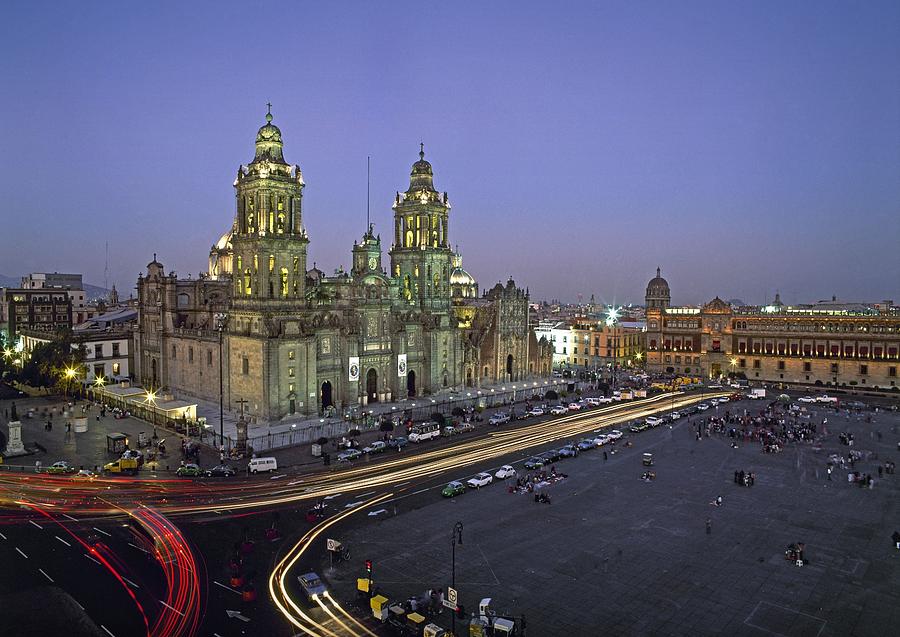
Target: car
(569,451)
(84,474)
(499,419)
(465,426)
(638,427)
(480,480)
(806,399)
(134,454)
(551,455)
(504,472)
(61,467)
(585,443)
(376,447)
(715,386)
(675,415)
(702,407)
(221,471)
(398,443)
(605,400)
(825,398)
(559,410)
(536,411)
(312,585)
(453,489)
(574,406)
(601,440)
(592,402)
(189,470)
(615,434)
(654,421)
(348,455)
(535,462)
(448,431)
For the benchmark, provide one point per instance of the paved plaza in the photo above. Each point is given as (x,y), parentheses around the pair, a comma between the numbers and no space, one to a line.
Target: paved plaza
(615,555)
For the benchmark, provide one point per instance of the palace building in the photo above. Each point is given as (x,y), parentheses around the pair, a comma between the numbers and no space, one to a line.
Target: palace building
(827,343)
(296,341)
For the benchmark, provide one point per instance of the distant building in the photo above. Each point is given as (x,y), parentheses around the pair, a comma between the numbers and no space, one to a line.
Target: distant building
(43,310)
(73,285)
(827,343)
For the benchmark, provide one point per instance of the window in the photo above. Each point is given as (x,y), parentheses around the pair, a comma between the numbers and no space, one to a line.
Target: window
(892,371)
(780,364)
(756,364)
(742,363)
(807,367)
(863,370)
(115,349)
(115,369)
(290,372)
(291,355)
(209,358)
(245,366)
(834,368)
(173,352)
(98,351)
(190,354)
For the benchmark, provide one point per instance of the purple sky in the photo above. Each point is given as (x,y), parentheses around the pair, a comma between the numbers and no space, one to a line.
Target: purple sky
(744,147)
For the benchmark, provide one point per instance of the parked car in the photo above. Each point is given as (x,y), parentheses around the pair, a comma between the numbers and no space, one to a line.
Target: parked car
(654,421)
(806,399)
(559,410)
(221,471)
(702,406)
(348,455)
(536,411)
(638,427)
(605,400)
(615,434)
(61,467)
(504,472)
(376,447)
(592,402)
(453,489)
(585,443)
(312,585)
(601,440)
(499,418)
(480,480)
(551,455)
(569,451)
(448,431)
(398,443)
(262,464)
(574,406)
(189,470)
(535,462)
(465,426)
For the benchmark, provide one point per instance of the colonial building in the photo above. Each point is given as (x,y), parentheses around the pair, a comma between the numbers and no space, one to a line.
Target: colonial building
(298,341)
(826,343)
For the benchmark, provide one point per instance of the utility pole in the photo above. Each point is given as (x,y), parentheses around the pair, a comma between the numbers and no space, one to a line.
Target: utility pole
(455,538)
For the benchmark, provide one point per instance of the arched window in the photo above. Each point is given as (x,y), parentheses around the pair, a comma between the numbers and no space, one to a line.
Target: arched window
(271,262)
(284,282)
(248,286)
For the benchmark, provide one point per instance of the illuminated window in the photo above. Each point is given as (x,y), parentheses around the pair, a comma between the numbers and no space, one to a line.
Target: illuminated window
(290,372)
(271,262)
(247,283)
(284,282)
(291,355)
(115,369)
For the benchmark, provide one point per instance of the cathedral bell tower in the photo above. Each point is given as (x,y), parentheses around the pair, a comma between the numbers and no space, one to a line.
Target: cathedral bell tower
(269,241)
(421,254)
(367,254)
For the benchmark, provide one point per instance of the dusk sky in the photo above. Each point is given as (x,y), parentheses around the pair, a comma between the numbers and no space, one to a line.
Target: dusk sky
(743,147)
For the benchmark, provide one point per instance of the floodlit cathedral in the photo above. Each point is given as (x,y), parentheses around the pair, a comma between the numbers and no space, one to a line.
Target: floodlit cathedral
(295,341)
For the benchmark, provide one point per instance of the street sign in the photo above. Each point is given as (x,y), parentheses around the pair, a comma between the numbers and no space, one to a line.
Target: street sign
(452,596)
(449,604)
(331,545)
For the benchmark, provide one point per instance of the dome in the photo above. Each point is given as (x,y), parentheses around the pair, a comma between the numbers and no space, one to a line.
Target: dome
(458,276)
(658,283)
(421,177)
(269,146)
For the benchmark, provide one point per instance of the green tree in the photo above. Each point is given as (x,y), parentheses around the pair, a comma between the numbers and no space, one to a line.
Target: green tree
(48,362)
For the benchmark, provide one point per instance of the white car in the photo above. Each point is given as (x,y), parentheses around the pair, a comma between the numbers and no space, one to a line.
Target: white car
(499,419)
(601,440)
(559,410)
(654,421)
(574,406)
(702,406)
(806,399)
(376,447)
(824,398)
(536,411)
(605,400)
(592,402)
(480,480)
(504,472)
(615,434)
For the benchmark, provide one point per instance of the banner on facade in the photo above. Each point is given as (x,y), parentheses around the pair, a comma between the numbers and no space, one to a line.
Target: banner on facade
(353,368)
(401,365)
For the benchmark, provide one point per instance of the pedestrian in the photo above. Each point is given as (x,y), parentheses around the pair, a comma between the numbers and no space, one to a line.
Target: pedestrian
(880,470)
(829,472)
(708,526)
(604,456)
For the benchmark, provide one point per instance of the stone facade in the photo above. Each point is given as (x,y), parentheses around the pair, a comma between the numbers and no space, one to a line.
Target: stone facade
(297,341)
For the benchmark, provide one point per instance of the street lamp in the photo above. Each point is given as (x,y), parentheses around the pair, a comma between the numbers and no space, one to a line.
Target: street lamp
(455,538)
(221,321)
(69,374)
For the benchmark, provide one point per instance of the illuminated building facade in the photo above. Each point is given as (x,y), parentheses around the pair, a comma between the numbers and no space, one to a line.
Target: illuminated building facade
(827,343)
(297,341)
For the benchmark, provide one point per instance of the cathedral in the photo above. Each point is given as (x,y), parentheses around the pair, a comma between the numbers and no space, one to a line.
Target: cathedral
(294,340)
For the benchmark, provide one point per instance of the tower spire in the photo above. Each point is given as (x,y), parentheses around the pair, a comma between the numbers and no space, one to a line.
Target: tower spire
(421,150)
(268,111)
(368,225)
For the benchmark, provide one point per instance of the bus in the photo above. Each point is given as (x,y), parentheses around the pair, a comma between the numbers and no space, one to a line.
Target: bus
(424,431)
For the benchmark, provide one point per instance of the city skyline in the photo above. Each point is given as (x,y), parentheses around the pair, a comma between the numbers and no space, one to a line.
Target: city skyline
(776,141)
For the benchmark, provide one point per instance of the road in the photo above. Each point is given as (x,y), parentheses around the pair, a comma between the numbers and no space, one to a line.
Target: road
(172,595)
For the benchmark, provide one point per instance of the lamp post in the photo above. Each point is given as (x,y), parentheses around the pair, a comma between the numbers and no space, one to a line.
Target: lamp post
(455,538)
(221,321)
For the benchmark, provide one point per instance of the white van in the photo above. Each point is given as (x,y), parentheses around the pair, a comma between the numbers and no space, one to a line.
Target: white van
(262,464)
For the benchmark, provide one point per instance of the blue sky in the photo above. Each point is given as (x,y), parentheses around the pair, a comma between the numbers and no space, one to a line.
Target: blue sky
(744,147)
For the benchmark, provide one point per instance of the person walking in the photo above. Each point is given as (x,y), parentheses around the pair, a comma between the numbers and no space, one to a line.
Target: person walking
(708,526)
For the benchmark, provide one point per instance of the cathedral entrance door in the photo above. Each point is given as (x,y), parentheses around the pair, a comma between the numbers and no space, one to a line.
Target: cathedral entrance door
(509,366)
(411,384)
(153,371)
(327,400)
(372,385)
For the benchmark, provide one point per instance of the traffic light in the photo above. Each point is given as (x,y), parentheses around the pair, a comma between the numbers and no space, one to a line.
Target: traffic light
(460,612)
(369,568)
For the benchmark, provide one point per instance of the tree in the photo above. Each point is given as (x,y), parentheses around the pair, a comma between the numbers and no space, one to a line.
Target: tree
(47,365)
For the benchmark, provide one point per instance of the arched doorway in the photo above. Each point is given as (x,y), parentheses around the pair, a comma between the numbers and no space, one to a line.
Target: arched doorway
(153,372)
(372,385)
(327,399)
(509,365)
(411,384)
(469,381)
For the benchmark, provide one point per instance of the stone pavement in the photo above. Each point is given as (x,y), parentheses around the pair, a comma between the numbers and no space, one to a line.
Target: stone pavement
(615,555)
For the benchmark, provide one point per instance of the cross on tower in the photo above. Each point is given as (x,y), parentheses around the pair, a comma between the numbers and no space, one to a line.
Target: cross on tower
(269,106)
(242,402)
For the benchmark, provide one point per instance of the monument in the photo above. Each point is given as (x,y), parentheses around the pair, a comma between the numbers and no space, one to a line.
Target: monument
(14,446)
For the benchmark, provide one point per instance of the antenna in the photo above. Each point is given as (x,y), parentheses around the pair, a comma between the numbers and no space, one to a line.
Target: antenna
(367,192)
(106,269)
